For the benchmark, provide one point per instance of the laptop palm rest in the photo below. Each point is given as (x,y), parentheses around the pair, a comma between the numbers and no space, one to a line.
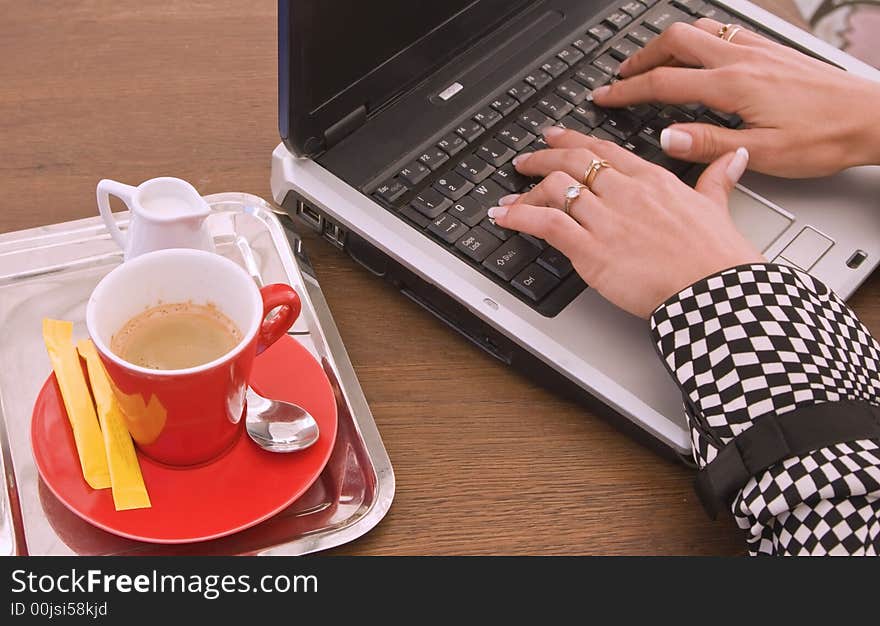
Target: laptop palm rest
(759,222)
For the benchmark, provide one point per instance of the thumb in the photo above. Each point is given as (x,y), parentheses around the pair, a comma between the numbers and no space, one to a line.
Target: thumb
(702,143)
(718,180)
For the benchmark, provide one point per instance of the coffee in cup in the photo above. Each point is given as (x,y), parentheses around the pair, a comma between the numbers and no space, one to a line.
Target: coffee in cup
(176,336)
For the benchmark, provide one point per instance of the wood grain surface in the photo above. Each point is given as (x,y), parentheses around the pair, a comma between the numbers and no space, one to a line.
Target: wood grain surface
(485,460)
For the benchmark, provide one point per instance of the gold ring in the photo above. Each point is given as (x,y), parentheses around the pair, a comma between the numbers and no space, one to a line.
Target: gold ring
(571,194)
(593,170)
(728,31)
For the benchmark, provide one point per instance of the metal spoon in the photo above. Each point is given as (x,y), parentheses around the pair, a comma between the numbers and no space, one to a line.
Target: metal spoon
(279,426)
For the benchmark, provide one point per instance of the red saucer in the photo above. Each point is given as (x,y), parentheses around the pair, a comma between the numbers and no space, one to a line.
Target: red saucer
(236,491)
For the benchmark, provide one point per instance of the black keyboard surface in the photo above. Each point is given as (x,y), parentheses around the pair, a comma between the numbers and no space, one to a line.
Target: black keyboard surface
(447,190)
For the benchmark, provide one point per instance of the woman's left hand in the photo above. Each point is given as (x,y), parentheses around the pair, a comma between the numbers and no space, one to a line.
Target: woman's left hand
(641,235)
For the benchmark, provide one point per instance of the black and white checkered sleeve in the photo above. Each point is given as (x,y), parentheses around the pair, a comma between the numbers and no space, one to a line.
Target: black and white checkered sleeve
(760,339)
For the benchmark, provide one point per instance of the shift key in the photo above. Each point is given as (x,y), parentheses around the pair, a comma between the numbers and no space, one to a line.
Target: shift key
(511,257)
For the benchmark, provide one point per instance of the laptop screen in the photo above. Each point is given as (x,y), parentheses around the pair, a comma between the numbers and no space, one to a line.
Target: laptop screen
(338,56)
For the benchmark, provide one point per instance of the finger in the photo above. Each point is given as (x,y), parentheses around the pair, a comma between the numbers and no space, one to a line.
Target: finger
(671,85)
(550,192)
(553,226)
(621,158)
(575,162)
(705,142)
(680,43)
(742,37)
(718,180)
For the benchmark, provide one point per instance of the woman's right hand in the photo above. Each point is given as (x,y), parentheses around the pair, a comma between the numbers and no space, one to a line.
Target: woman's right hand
(803,117)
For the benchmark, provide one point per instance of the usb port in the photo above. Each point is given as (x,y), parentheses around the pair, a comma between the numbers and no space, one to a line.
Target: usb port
(334,234)
(309,216)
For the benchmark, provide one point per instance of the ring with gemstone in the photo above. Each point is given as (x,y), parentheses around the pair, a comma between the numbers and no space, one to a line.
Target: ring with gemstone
(593,170)
(571,194)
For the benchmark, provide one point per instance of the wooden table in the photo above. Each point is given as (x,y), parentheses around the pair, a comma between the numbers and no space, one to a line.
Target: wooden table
(486,461)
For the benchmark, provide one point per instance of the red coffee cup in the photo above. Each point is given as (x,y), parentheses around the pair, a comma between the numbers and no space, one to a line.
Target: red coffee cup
(187,416)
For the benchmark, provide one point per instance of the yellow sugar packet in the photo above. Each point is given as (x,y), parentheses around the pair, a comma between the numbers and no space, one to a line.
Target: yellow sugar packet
(58,337)
(129,491)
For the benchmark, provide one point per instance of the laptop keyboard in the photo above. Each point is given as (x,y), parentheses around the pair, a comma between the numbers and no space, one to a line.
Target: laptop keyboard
(446,191)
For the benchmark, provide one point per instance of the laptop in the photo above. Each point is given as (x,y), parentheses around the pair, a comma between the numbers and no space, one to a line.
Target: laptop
(399,121)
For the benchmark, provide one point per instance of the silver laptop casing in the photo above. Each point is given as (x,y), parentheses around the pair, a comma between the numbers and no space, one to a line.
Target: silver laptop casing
(600,348)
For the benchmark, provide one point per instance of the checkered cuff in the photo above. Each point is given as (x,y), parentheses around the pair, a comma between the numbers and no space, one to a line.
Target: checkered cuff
(766,338)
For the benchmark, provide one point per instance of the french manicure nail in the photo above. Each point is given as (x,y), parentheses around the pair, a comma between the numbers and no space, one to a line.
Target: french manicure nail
(497,211)
(508,199)
(599,91)
(737,166)
(672,140)
(521,158)
(553,131)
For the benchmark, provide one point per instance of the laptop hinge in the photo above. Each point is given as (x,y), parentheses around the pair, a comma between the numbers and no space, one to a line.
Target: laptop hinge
(344,127)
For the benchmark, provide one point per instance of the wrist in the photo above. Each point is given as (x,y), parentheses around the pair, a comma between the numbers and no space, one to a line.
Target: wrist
(866,141)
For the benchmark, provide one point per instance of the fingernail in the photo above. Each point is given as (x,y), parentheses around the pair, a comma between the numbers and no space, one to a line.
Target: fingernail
(508,199)
(553,131)
(497,211)
(600,91)
(737,166)
(521,158)
(672,140)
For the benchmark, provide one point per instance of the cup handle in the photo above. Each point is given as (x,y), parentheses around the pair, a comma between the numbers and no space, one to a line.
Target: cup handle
(107,188)
(273,327)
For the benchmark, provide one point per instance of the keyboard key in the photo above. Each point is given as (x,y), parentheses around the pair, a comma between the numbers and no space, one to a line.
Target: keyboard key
(673,165)
(695,109)
(622,124)
(538,242)
(535,282)
(417,218)
(488,193)
(641,147)
(413,173)
(538,79)
(510,179)
(555,262)
(434,158)
(607,64)
(474,168)
(391,190)
(521,91)
(572,91)
(731,120)
(649,3)
(618,20)
(671,115)
(495,152)
(555,67)
(640,35)
(468,211)
(447,228)
(604,135)
(662,18)
(572,123)
(715,13)
(453,186)
(585,45)
(643,111)
(477,244)
(634,9)
(511,257)
(651,134)
(504,104)
(452,144)
(624,49)
(592,77)
(515,136)
(430,203)
(554,106)
(488,117)
(570,55)
(470,130)
(501,233)
(601,33)
(534,121)
(691,6)
(589,114)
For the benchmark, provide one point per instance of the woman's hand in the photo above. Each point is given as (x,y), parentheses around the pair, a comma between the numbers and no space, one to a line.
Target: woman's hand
(641,235)
(803,117)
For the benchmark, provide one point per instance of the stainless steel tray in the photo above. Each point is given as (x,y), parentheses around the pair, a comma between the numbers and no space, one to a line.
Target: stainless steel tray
(50,272)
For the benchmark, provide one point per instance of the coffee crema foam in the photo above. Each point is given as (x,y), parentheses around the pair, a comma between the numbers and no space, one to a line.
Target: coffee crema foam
(176,336)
